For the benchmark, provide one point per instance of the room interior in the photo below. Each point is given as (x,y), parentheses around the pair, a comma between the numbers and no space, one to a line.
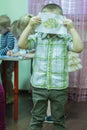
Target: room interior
(77,99)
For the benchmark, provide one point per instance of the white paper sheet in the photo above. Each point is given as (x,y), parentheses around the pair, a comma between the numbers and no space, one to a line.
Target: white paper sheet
(51,23)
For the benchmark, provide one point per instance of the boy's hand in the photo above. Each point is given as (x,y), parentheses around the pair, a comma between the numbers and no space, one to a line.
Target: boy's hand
(69,24)
(35,21)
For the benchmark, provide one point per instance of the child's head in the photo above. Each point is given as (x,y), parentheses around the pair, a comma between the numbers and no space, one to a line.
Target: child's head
(18,26)
(4,24)
(52,8)
(14,29)
(23,22)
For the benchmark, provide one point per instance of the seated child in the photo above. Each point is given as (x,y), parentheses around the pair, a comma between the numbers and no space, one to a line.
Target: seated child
(7,43)
(17,28)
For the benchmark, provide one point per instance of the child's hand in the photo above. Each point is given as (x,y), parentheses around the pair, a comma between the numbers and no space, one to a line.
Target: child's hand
(9,53)
(69,24)
(35,21)
(29,55)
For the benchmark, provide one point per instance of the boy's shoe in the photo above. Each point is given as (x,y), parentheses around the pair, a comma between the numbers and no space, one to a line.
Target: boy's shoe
(48,119)
(9,99)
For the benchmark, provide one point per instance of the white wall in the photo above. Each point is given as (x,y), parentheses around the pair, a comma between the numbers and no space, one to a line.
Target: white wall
(13,8)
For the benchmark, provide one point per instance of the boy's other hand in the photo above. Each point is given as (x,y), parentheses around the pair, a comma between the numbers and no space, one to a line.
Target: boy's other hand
(69,24)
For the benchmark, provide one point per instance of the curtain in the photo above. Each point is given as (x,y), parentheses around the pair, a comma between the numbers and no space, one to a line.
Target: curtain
(77,11)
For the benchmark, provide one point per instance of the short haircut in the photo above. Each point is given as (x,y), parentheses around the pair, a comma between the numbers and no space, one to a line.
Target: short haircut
(53,7)
(5,21)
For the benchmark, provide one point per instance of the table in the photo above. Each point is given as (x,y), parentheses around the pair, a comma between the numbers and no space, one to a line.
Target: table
(16,60)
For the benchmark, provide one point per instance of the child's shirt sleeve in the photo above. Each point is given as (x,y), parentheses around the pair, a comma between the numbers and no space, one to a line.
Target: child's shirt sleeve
(7,43)
(69,43)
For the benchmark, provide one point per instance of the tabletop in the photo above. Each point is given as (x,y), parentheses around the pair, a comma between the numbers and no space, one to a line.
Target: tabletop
(17,58)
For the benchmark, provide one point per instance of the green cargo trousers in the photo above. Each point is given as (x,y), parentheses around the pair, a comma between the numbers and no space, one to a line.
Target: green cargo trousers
(58,99)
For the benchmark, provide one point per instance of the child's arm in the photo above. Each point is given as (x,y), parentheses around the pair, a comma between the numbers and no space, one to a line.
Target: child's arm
(77,42)
(23,40)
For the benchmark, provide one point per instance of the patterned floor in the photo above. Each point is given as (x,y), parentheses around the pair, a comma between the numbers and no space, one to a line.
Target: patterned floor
(76,114)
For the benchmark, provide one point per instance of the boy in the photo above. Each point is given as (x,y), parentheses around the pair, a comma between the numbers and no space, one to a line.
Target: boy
(50,71)
(7,43)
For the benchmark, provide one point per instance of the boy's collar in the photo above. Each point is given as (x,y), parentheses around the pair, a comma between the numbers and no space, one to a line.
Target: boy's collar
(44,35)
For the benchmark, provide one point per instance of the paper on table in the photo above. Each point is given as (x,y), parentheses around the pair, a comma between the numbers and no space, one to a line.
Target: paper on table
(51,23)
